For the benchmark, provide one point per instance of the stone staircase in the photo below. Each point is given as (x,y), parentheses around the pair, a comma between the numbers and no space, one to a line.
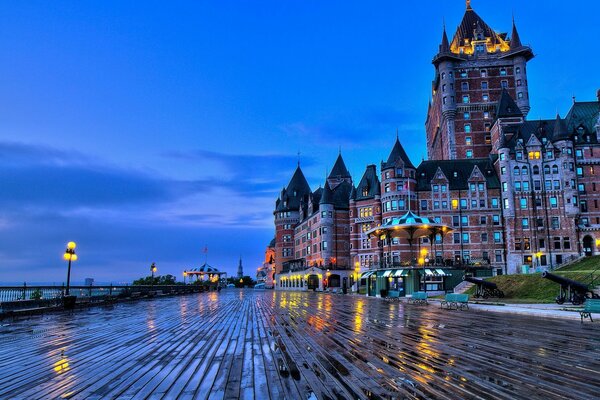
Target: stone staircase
(463,287)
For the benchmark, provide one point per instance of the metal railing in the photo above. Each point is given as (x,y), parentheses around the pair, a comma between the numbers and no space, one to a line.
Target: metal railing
(20,297)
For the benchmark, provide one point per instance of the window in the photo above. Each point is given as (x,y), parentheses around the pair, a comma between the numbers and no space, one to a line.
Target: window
(486,97)
(387,187)
(495,219)
(519,83)
(555,169)
(555,223)
(444,87)
(516,171)
(498,256)
(495,203)
(472,187)
(465,237)
(436,188)
(519,155)
(534,155)
(518,186)
(423,204)
(443,75)
(484,237)
(465,86)
(483,73)
(581,188)
(553,202)
(579,171)
(455,220)
(502,71)
(506,204)
(504,84)
(525,186)
(502,170)
(464,220)
(463,204)
(504,186)
(480,187)
(463,73)
(483,220)
(469,153)
(566,243)
(556,185)
(578,154)
(523,202)
(436,205)
(519,95)
(465,98)
(497,237)
(467,128)
(525,223)
(536,170)
(454,204)
(468,140)
(467,115)
(539,222)
(556,240)
(518,70)
(484,85)
(456,238)
(443,187)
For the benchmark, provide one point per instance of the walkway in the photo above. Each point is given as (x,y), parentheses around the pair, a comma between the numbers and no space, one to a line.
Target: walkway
(265,344)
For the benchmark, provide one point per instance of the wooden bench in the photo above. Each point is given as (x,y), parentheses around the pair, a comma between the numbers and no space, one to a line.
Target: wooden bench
(455,300)
(418,298)
(590,306)
(393,295)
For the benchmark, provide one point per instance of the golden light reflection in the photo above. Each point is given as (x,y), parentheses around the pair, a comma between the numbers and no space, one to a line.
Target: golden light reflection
(61,365)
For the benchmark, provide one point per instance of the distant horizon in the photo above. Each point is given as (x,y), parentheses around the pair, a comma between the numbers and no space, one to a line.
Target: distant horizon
(146,134)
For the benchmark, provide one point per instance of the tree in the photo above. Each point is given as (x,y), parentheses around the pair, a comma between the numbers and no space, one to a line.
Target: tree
(158,280)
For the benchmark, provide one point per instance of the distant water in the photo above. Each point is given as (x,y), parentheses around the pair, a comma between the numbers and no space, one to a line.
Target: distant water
(73,283)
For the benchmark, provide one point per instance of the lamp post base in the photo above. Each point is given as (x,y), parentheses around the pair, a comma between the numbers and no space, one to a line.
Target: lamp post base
(69,302)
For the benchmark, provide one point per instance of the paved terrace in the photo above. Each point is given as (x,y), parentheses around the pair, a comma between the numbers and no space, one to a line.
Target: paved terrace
(261,345)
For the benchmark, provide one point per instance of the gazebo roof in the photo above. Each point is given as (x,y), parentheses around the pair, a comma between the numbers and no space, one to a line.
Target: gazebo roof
(409,225)
(204,269)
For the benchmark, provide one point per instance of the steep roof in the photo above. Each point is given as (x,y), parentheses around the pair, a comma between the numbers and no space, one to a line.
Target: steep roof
(457,172)
(445,45)
(515,40)
(560,130)
(338,197)
(397,153)
(583,113)
(369,185)
(465,32)
(296,192)
(339,169)
(507,107)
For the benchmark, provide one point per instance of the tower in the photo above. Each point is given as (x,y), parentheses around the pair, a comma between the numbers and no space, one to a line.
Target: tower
(240,271)
(471,71)
(287,215)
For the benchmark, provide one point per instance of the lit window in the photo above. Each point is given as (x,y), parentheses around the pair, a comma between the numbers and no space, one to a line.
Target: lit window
(502,71)
(534,155)
(454,204)
(469,153)
(467,128)
(468,140)
(465,98)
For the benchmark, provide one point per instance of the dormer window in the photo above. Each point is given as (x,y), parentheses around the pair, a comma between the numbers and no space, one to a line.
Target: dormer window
(502,71)
(463,73)
(295,193)
(455,174)
(484,73)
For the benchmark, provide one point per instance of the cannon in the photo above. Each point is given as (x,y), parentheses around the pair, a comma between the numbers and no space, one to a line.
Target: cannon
(484,289)
(573,291)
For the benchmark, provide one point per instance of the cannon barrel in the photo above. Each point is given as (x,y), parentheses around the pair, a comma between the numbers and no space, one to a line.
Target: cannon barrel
(577,286)
(489,285)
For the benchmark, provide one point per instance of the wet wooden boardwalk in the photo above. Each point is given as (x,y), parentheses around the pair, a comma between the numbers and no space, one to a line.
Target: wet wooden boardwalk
(272,345)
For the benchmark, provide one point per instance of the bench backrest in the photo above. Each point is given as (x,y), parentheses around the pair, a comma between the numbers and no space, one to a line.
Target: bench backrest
(419,295)
(457,297)
(592,305)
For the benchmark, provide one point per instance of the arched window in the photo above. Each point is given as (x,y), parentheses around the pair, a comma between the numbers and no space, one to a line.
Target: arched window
(555,169)
(524,171)
(546,169)
(516,171)
(536,170)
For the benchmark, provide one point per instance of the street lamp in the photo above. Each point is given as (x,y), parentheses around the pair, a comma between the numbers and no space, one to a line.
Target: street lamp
(153,270)
(184,276)
(69,256)
(422,263)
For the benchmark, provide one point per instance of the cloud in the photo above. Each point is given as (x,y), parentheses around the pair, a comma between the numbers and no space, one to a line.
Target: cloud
(356,130)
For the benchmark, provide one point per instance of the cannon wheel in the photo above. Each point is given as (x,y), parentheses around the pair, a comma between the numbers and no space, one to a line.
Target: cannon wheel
(577,299)
(560,299)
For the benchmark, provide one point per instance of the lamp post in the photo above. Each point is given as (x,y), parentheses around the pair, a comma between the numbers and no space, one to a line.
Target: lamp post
(69,256)
(422,263)
(184,276)
(152,270)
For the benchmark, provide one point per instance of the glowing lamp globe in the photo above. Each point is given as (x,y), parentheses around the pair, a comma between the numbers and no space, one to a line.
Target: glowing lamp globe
(66,256)
(71,245)
(74,257)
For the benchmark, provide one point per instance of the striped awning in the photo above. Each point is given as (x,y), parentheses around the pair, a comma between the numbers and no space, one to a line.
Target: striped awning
(441,272)
(401,272)
(387,273)
(366,274)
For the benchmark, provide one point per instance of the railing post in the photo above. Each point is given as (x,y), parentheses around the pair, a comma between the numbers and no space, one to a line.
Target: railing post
(24,291)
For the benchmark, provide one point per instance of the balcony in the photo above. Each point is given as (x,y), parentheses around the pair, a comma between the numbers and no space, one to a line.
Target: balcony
(360,220)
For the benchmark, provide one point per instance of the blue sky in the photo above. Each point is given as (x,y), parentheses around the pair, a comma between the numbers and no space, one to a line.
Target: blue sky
(145,132)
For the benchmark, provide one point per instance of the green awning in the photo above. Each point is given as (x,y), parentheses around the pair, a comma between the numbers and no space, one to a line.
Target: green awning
(366,274)
(401,272)
(387,273)
(441,272)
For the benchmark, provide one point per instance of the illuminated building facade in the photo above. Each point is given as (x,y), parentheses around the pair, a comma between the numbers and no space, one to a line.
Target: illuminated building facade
(517,194)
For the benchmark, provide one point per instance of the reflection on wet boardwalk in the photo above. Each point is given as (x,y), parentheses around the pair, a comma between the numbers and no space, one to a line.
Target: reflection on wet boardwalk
(261,345)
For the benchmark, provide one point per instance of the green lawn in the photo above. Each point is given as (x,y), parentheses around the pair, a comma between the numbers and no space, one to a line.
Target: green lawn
(533,288)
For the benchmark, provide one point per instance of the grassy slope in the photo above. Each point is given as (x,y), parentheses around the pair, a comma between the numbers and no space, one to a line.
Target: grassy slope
(534,288)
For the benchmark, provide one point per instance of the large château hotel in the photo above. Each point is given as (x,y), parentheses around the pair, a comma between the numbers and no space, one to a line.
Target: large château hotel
(515,194)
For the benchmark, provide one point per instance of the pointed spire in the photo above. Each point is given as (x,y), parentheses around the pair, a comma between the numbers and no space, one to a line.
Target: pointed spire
(560,131)
(469,5)
(515,40)
(397,153)
(445,45)
(339,168)
(507,106)
(327,196)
